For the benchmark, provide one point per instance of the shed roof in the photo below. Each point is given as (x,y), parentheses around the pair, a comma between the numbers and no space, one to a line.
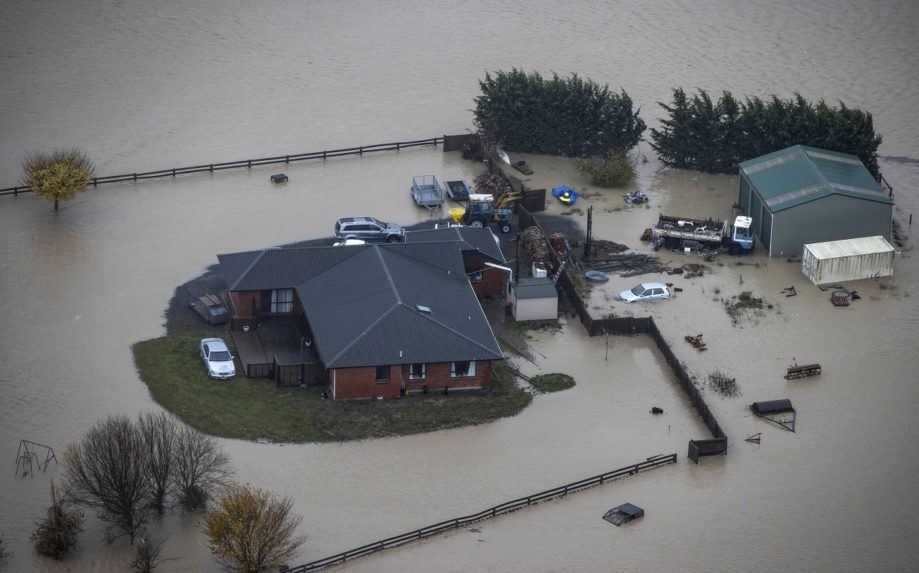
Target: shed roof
(800,174)
(849,247)
(542,287)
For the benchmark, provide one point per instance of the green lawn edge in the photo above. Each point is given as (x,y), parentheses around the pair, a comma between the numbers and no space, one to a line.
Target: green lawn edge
(253,409)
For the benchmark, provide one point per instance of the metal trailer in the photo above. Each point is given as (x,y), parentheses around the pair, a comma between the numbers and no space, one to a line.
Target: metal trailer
(847,260)
(457,190)
(427,191)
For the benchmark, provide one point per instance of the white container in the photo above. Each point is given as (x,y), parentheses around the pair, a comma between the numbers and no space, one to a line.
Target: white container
(847,260)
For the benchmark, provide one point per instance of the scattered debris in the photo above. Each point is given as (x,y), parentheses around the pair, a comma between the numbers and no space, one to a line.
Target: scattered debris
(596,276)
(696,342)
(790,291)
(522,167)
(635,198)
(723,385)
(793,259)
(705,448)
(623,514)
(840,298)
(779,412)
(739,305)
(657,410)
(535,245)
(492,183)
(627,265)
(600,248)
(755,438)
(646,235)
(279,178)
(795,372)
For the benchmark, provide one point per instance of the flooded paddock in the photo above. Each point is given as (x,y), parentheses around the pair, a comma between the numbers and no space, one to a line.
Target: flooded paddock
(140,86)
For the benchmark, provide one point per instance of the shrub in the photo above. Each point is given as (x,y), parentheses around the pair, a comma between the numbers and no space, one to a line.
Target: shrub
(251,530)
(715,136)
(554,382)
(56,534)
(613,170)
(571,116)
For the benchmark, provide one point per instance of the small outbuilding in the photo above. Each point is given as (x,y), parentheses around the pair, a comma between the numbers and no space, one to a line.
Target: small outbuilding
(847,260)
(535,298)
(803,195)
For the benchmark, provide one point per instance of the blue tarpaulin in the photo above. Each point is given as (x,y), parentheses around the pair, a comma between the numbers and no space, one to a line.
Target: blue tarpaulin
(565,194)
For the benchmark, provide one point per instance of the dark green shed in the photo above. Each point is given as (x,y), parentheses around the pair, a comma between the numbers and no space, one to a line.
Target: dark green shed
(805,195)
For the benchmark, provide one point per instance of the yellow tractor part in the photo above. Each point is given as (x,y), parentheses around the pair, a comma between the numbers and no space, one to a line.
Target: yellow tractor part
(456,214)
(507,199)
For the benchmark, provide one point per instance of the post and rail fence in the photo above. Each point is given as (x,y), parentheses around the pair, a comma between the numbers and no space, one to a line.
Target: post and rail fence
(248,163)
(489,513)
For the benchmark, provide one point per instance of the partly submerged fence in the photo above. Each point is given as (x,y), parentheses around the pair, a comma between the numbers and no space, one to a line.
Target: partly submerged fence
(491,512)
(247,163)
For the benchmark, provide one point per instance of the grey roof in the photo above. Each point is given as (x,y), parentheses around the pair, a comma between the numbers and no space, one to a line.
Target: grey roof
(280,267)
(368,305)
(372,309)
(800,174)
(481,240)
(535,288)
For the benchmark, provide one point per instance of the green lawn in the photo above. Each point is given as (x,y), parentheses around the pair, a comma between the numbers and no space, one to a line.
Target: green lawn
(552,382)
(255,408)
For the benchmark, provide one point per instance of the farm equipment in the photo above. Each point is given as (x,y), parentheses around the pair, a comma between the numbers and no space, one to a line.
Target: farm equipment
(703,234)
(481,211)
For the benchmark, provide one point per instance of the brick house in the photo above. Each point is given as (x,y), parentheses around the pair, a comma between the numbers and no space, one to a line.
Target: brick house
(379,320)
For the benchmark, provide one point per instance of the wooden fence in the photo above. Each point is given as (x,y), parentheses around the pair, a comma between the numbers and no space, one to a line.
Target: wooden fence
(491,512)
(247,163)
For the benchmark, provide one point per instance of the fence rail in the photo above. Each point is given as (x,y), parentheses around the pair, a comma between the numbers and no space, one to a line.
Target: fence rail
(247,163)
(501,509)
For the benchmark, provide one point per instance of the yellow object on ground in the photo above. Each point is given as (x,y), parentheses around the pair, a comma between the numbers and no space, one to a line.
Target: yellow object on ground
(456,214)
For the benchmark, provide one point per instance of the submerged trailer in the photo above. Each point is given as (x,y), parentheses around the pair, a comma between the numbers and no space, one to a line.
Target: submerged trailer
(847,260)
(427,191)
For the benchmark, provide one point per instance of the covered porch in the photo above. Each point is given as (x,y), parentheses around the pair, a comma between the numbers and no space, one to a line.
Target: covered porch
(278,348)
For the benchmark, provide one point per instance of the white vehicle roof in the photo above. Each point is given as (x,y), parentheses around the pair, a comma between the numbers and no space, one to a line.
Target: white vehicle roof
(215,344)
(743,222)
(646,286)
(481,197)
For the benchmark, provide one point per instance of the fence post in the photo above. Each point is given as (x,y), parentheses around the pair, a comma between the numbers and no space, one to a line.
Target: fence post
(324,152)
(173,172)
(362,150)
(398,144)
(135,177)
(95,181)
(287,159)
(212,167)
(250,164)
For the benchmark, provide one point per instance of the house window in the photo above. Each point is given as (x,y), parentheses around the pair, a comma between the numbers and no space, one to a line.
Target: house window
(462,369)
(416,371)
(475,277)
(382,374)
(282,300)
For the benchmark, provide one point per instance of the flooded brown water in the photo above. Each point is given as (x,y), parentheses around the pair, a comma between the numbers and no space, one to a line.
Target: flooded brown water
(141,87)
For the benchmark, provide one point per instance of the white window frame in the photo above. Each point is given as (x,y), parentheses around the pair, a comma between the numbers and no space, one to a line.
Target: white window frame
(424,371)
(279,305)
(469,373)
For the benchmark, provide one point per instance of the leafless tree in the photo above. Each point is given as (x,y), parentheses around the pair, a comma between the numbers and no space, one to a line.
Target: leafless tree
(201,467)
(107,470)
(4,554)
(250,530)
(147,557)
(56,534)
(159,435)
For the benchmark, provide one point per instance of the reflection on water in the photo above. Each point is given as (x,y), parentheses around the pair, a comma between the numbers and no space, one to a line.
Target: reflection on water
(78,287)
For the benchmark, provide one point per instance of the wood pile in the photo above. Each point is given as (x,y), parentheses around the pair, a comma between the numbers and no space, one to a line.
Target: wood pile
(696,342)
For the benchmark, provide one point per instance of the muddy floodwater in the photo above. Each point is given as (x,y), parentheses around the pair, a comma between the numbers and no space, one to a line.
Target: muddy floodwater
(140,86)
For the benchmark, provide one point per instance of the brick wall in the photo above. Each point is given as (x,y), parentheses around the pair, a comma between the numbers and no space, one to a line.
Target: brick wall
(361,383)
(492,285)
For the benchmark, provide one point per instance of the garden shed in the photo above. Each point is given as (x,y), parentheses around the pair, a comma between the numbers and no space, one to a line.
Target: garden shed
(805,195)
(535,298)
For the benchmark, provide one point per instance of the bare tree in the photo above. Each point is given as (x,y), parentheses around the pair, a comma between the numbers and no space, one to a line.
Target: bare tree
(201,467)
(159,435)
(147,557)
(58,176)
(56,534)
(4,554)
(107,470)
(252,530)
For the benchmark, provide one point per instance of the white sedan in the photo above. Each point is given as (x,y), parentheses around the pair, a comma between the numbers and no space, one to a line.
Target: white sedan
(217,359)
(646,291)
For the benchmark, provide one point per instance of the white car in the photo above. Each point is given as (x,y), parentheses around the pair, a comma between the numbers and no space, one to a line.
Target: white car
(217,359)
(646,291)
(349,243)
